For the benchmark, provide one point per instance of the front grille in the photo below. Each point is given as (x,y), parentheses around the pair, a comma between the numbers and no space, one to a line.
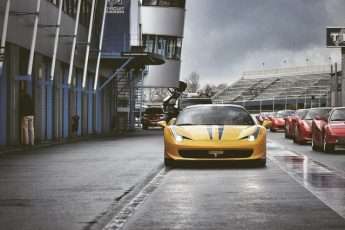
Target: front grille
(233,153)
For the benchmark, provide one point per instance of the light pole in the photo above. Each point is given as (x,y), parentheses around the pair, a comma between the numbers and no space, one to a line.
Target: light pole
(307,64)
(285,66)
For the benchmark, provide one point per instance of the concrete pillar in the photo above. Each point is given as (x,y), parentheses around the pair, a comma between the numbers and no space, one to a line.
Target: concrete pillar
(13,94)
(39,92)
(57,102)
(84,113)
(334,88)
(71,103)
(343,76)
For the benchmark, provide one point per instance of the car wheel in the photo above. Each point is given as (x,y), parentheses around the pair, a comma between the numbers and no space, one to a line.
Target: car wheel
(145,127)
(296,136)
(169,163)
(261,163)
(327,148)
(286,130)
(313,146)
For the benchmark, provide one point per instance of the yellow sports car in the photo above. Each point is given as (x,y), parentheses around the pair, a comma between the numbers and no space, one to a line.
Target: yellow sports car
(214,132)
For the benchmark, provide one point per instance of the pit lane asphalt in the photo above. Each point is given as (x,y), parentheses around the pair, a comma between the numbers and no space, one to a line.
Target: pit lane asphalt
(84,185)
(274,197)
(73,185)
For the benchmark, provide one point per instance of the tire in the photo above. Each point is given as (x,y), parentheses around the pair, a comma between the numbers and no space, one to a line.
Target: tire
(169,163)
(298,139)
(261,163)
(145,127)
(296,135)
(287,136)
(327,148)
(313,146)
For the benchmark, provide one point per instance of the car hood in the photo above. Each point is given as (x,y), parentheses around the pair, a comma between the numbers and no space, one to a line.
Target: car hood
(337,127)
(215,132)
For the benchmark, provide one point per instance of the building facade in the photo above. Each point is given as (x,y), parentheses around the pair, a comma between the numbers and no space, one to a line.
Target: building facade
(68,56)
(162,32)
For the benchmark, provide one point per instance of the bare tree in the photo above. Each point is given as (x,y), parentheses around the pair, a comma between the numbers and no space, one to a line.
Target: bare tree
(155,94)
(193,82)
(221,86)
(208,90)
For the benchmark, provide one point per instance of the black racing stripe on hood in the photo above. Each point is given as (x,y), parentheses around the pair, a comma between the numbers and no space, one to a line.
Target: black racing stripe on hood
(209,130)
(220,131)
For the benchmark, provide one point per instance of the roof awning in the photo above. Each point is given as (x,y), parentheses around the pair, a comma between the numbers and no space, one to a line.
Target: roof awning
(144,58)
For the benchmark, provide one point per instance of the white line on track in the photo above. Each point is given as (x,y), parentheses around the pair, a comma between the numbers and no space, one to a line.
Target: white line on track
(120,219)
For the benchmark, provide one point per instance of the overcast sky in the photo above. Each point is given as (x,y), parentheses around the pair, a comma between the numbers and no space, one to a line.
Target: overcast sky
(223,38)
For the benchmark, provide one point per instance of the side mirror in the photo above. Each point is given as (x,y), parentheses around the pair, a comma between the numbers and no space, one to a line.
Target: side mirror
(172,121)
(267,123)
(162,124)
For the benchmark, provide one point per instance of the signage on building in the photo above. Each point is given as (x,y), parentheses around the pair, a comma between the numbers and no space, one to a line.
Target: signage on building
(115,7)
(335,37)
(117,28)
(135,54)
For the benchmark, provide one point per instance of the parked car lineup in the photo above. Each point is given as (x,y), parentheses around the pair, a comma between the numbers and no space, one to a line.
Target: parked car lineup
(302,127)
(277,118)
(288,122)
(323,127)
(329,131)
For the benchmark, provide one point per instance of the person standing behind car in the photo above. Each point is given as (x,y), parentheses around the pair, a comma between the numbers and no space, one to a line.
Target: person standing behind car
(26,108)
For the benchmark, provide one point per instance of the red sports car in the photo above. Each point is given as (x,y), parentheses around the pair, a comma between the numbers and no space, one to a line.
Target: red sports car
(262,116)
(289,119)
(302,127)
(329,131)
(278,121)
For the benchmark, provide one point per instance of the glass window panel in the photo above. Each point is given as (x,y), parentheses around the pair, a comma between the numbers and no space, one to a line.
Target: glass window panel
(149,2)
(164,3)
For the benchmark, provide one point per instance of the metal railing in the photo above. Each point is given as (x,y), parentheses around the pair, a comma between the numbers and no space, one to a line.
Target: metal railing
(298,70)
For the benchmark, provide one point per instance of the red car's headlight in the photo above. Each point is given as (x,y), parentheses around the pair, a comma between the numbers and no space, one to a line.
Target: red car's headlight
(306,124)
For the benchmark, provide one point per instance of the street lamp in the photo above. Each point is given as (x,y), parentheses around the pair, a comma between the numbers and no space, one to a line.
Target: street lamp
(307,63)
(285,66)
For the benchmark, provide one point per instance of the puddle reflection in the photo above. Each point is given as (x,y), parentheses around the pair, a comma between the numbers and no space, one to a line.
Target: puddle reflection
(313,173)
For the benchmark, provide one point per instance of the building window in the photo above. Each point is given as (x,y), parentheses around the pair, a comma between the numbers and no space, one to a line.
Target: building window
(166,3)
(70,8)
(167,46)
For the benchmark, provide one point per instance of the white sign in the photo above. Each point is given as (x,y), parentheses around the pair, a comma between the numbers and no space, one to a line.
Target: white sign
(115,7)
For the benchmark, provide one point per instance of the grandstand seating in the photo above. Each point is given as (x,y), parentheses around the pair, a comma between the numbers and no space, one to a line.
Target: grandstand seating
(273,86)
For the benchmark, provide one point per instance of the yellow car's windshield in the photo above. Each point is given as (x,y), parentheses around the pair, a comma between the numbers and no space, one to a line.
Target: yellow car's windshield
(214,115)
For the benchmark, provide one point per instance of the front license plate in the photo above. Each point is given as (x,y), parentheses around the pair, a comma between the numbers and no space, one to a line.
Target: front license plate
(216,152)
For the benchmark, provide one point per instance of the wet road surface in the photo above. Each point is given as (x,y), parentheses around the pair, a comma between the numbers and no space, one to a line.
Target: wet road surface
(121,183)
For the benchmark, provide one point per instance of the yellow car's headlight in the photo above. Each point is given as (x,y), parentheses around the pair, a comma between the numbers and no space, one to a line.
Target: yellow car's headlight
(252,137)
(176,136)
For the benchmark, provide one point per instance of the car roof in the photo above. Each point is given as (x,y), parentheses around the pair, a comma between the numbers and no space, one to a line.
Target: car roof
(316,108)
(216,105)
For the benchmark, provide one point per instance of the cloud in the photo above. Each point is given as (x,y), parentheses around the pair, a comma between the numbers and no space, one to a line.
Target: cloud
(223,38)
